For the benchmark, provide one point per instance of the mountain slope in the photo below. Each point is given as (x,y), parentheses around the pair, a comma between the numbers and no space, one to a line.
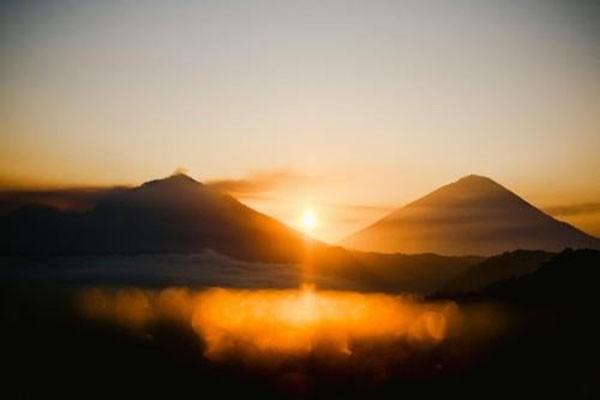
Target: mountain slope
(568,279)
(496,269)
(179,215)
(420,273)
(473,215)
(172,215)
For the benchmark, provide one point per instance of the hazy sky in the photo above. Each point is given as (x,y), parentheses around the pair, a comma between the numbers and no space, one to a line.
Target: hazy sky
(350,107)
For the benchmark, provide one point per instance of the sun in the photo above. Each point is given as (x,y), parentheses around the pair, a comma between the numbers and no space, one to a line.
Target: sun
(309,220)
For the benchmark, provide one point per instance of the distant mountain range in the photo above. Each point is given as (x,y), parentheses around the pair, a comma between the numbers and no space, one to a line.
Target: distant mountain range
(567,281)
(178,216)
(509,265)
(473,215)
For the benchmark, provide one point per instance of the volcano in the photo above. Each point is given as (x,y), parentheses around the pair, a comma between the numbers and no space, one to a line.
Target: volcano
(172,215)
(473,215)
(178,215)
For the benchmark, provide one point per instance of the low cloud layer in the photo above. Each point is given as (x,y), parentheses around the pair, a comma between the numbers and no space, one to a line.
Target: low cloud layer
(261,182)
(573,209)
(255,184)
(254,324)
(201,269)
(73,199)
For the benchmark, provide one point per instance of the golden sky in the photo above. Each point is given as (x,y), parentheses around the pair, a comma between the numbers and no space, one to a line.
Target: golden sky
(348,107)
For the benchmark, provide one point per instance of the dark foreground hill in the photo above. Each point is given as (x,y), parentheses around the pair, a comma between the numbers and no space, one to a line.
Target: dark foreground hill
(495,269)
(473,215)
(531,337)
(569,279)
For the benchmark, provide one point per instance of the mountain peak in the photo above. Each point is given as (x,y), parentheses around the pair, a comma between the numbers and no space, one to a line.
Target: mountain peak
(476,181)
(175,180)
(472,178)
(468,187)
(473,215)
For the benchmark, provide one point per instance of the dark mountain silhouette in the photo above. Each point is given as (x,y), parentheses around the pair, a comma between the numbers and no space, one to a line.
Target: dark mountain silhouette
(421,273)
(551,340)
(474,215)
(172,215)
(180,215)
(568,280)
(495,269)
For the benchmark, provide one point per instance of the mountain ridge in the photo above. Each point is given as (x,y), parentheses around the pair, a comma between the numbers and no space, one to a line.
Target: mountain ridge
(473,215)
(173,214)
(178,215)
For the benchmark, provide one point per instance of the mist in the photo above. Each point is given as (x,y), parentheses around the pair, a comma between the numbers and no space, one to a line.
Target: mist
(266,326)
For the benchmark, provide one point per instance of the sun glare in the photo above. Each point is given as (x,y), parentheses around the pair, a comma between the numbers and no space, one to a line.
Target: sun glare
(309,220)
(252,324)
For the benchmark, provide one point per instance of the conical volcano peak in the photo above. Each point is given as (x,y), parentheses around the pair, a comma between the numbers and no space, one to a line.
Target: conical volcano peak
(469,191)
(176,180)
(477,182)
(476,179)
(473,215)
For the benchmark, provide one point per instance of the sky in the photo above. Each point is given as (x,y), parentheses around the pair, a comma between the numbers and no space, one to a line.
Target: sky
(349,108)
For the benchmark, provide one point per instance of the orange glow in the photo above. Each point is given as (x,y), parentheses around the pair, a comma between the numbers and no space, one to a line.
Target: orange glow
(299,321)
(258,323)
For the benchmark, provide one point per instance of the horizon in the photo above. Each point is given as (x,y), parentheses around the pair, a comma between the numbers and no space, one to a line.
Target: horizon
(83,198)
(347,109)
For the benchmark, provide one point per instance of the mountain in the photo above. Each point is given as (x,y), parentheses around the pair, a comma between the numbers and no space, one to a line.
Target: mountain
(420,273)
(568,280)
(496,269)
(172,215)
(473,215)
(178,215)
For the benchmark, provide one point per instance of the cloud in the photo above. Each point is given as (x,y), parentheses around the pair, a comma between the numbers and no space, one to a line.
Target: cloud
(256,184)
(261,182)
(74,199)
(180,170)
(272,325)
(366,208)
(573,209)
(357,213)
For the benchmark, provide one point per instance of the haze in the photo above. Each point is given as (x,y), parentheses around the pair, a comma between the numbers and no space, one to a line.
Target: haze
(346,108)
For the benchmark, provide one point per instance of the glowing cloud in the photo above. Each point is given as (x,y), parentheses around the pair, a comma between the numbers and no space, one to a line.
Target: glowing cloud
(258,324)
